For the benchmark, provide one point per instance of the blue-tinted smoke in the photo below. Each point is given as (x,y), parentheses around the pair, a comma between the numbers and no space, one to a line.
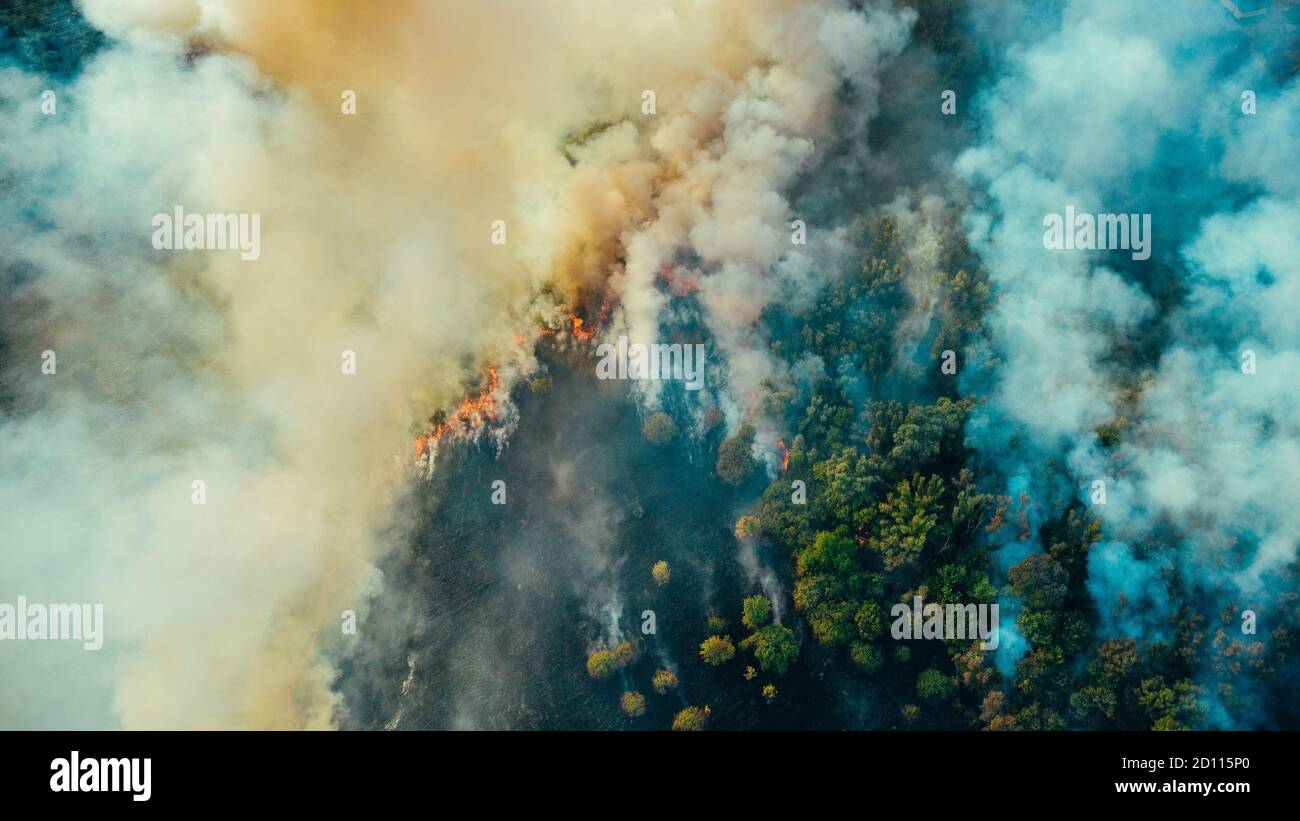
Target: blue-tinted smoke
(1193,356)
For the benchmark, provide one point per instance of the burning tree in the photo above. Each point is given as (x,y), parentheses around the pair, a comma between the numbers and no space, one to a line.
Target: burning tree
(466,421)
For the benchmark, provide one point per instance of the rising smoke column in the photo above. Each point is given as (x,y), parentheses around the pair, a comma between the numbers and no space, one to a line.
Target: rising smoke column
(175,367)
(722,219)
(1119,108)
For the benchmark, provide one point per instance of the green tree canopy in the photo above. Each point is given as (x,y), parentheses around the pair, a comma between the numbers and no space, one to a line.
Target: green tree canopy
(659,428)
(933,685)
(602,664)
(663,681)
(774,647)
(691,718)
(757,611)
(735,462)
(717,650)
(633,704)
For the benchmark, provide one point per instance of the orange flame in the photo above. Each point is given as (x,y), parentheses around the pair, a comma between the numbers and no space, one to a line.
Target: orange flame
(678,284)
(785,456)
(579,333)
(469,418)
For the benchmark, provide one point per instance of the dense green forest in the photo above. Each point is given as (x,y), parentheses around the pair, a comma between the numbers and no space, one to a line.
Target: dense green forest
(891,508)
(895,510)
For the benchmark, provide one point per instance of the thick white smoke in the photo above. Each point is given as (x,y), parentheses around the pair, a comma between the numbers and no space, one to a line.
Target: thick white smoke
(1132,109)
(730,146)
(184,366)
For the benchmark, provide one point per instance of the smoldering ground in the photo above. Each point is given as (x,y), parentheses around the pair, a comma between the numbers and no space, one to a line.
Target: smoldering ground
(499,605)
